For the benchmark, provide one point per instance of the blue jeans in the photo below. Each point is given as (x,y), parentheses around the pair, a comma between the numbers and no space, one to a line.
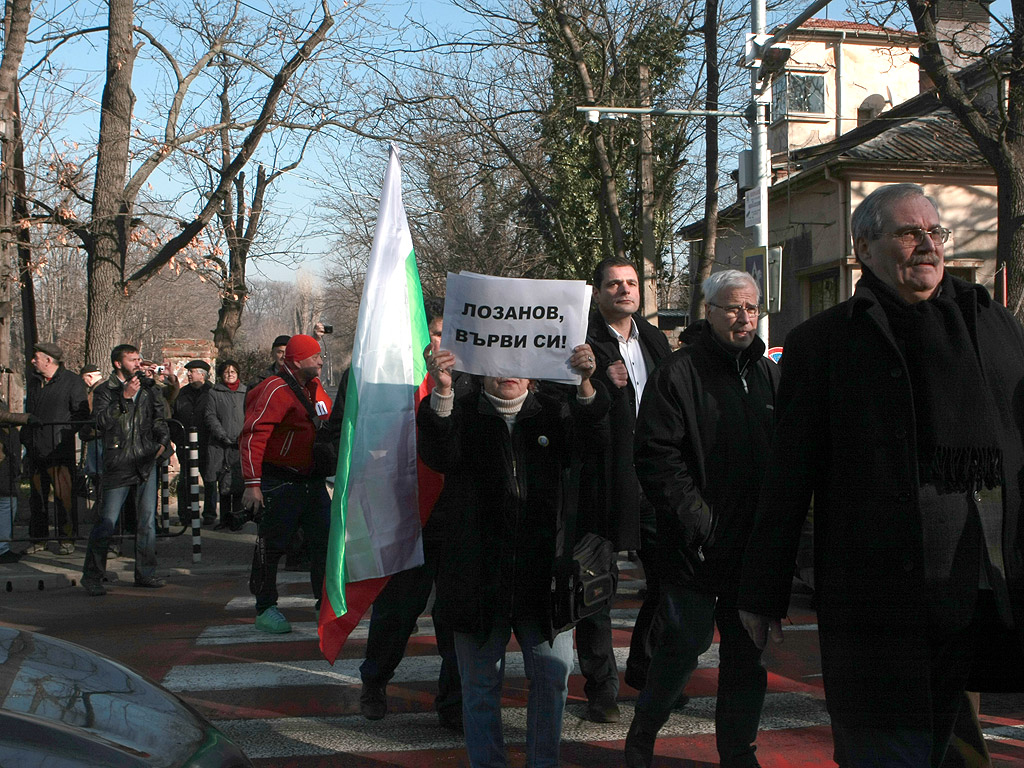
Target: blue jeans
(482,668)
(145,530)
(8,509)
(684,628)
(302,502)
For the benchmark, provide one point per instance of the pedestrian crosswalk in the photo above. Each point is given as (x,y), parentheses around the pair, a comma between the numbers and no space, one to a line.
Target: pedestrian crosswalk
(277,698)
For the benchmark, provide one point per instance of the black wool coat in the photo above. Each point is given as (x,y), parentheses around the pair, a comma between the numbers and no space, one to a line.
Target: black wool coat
(609,490)
(64,399)
(503,501)
(702,440)
(846,434)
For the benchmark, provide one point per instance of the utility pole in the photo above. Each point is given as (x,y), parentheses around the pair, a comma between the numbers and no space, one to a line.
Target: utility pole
(765,58)
(760,97)
(648,276)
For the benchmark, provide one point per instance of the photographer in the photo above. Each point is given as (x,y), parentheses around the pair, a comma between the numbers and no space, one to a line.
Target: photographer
(129,412)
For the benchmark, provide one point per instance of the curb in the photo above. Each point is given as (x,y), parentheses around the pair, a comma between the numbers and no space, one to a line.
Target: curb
(35,582)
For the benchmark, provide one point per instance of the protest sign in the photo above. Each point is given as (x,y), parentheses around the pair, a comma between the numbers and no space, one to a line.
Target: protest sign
(505,326)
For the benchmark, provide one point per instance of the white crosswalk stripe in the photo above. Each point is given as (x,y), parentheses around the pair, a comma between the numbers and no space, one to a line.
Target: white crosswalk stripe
(276,674)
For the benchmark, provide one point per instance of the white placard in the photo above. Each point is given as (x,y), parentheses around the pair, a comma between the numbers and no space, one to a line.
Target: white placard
(506,326)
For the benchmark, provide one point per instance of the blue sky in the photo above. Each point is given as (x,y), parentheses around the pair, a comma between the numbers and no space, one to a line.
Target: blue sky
(298,195)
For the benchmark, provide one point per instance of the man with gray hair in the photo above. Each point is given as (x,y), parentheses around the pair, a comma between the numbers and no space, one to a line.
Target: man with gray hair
(899,411)
(702,436)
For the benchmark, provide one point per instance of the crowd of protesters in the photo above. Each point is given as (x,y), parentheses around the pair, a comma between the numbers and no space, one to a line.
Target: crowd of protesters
(897,411)
(125,423)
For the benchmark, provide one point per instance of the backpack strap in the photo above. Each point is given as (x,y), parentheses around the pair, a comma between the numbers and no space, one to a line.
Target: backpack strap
(300,392)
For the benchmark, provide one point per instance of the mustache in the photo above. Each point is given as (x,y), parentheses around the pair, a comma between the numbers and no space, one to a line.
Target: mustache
(913,262)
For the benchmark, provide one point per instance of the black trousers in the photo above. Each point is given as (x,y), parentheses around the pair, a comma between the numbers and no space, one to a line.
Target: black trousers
(392,621)
(289,505)
(594,645)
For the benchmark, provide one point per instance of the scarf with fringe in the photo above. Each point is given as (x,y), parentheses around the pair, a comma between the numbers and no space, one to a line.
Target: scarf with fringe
(957,421)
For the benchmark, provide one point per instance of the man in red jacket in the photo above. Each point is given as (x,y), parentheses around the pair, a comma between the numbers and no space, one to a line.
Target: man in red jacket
(284,485)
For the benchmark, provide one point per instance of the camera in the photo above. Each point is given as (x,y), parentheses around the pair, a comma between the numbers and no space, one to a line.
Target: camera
(328,328)
(159,370)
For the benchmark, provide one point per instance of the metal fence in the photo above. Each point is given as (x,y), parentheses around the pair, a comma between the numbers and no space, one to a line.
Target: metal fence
(84,492)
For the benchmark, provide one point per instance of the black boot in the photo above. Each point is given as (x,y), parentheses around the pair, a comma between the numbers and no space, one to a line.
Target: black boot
(640,744)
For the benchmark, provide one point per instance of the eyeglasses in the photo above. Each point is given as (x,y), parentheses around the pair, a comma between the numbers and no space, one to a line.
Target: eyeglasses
(733,310)
(914,236)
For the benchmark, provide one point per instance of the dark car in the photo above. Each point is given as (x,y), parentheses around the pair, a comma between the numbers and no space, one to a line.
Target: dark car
(62,705)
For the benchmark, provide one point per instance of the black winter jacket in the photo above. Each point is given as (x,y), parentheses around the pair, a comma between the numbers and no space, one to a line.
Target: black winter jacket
(64,399)
(609,491)
(132,432)
(702,440)
(503,502)
(10,463)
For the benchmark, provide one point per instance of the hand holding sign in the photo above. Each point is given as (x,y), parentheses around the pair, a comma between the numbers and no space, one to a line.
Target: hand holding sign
(440,366)
(500,326)
(582,361)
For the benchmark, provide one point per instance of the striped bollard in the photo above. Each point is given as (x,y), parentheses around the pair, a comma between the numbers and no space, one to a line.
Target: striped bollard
(193,487)
(165,498)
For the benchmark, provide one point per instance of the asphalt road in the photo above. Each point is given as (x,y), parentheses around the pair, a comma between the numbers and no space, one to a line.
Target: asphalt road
(278,698)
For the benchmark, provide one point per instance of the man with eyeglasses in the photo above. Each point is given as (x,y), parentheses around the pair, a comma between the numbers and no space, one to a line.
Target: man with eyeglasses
(702,439)
(899,411)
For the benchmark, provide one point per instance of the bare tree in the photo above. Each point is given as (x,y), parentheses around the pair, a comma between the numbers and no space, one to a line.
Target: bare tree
(108,220)
(993,114)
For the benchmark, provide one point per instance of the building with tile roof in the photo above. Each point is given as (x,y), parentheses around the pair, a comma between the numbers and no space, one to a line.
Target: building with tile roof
(817,184)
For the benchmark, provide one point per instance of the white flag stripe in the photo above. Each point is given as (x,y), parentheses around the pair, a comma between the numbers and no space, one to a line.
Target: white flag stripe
(298,736)
(382,527)
(280,674)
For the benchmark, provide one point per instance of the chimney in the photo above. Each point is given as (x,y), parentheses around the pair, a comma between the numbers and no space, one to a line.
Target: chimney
(963,29)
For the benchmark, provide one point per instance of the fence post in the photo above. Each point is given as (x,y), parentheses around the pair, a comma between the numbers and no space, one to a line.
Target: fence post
(193,483)
(165,497)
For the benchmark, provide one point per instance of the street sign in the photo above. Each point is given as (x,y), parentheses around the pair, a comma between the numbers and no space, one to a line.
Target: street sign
(752,207)
(755,261)
(775,353)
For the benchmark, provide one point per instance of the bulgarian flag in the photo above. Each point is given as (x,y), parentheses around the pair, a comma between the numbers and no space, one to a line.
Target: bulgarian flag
(382,494)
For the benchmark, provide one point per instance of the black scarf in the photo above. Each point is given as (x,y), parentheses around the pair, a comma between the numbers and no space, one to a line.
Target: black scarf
(957,422)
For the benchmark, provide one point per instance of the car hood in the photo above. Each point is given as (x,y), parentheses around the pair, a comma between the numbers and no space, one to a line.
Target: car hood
(76,707)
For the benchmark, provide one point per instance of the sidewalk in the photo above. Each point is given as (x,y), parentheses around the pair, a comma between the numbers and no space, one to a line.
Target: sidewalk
(220,552)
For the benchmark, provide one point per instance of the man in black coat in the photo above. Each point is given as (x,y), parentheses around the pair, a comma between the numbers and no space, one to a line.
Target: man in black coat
(56,399)
(400,603)
(130,418)
(702,438)
(900,411)
(627,348)
(190,412)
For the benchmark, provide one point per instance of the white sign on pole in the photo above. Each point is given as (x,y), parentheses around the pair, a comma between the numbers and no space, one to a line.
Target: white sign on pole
(504,326)
(752,207)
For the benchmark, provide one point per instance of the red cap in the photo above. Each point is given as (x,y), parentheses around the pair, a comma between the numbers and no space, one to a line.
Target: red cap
(300,347)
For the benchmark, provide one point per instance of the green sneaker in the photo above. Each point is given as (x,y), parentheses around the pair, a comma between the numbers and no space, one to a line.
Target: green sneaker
(273,621)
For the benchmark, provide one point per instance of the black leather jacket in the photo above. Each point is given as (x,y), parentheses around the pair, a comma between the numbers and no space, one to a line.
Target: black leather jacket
(132,432)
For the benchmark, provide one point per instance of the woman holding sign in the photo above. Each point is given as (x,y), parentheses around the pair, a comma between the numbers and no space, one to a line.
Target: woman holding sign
(504,453)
